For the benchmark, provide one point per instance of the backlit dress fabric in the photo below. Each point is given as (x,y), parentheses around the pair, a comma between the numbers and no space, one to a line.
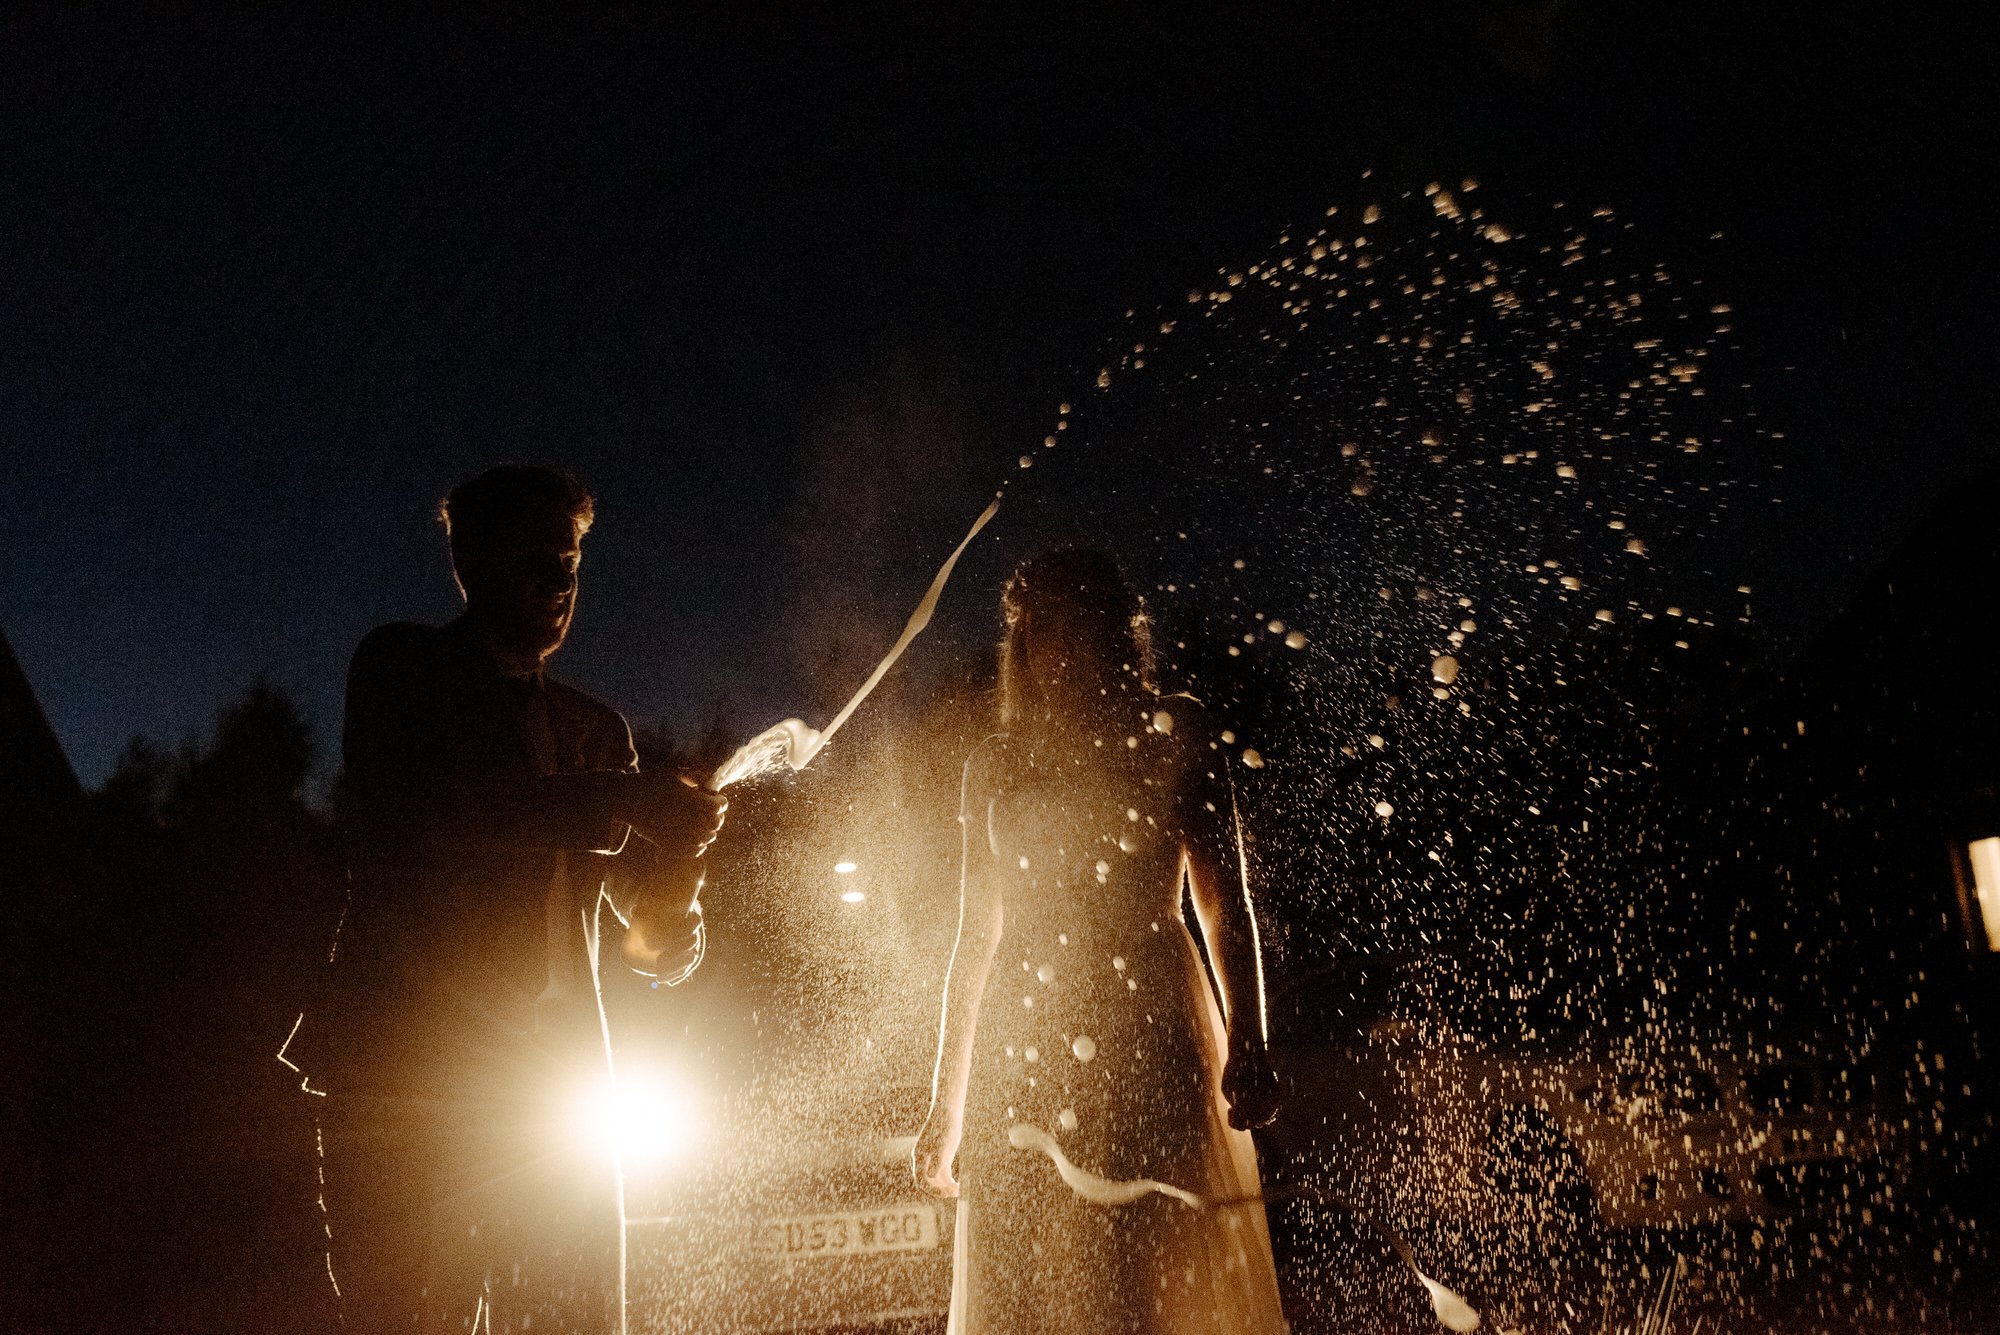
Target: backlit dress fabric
(1099,1026)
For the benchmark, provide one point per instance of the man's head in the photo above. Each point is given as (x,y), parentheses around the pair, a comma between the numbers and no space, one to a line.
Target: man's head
(515,545)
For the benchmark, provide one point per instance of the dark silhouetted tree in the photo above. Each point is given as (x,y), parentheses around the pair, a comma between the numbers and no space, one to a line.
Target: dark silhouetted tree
(195,947)
(659,752)
(717,741)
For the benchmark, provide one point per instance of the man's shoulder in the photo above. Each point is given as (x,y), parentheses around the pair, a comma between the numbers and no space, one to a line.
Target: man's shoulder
(401,637)
(606,735)
(398,647)
(580,704)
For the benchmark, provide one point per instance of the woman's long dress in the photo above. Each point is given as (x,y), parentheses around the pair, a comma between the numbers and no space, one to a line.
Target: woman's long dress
(1099,1026)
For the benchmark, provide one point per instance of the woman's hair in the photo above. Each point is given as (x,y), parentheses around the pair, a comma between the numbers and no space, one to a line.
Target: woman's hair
(1080,593)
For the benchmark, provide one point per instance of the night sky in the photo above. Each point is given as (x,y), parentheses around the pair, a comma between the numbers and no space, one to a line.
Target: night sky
(791,293)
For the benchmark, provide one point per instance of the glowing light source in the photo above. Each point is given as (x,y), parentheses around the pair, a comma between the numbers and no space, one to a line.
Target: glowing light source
(1983,856)
(640,1118)
(843,868)
(852,896)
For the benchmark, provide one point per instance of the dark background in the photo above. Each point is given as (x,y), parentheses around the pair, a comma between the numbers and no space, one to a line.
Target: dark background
(271,285)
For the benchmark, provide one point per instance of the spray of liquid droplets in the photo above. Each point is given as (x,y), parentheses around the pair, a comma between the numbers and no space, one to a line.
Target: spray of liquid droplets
(1419,489)
(1456,1313)
(1423,519)
(1089,1185)
(792,743)
(1451,1309)
(1415,498)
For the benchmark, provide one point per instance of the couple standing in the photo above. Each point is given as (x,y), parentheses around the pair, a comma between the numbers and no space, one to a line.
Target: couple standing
(1080,1030)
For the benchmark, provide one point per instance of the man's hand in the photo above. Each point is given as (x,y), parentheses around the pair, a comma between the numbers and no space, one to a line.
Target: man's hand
(665,938)
(673,811)
(1250,1086)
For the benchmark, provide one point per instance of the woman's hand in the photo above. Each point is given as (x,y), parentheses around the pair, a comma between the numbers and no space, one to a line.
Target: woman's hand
(1250,1086)
(930,1161)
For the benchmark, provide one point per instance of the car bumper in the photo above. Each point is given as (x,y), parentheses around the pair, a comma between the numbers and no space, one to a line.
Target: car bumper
(717,1271)
(1637,1186)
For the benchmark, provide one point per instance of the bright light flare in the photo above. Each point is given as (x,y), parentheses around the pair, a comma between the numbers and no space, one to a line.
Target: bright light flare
(852,896)
(1984,856)
(644,1118)
(844,868)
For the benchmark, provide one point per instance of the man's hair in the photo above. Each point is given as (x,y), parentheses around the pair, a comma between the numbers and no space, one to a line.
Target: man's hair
(480,508)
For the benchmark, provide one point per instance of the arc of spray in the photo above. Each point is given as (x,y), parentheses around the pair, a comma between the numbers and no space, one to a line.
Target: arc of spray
(1451,1310)
(792,742)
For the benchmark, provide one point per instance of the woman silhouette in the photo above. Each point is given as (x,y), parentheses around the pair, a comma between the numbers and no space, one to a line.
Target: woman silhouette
(1078,1017)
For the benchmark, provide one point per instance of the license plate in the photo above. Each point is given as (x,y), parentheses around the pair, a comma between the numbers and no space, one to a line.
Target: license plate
(892,1228)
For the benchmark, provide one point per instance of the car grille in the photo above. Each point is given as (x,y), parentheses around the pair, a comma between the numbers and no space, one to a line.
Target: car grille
(1818,1184)
(1788,1088)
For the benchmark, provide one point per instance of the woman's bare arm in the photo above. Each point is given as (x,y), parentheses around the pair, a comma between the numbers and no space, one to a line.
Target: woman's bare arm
(1219,885)
(980,916)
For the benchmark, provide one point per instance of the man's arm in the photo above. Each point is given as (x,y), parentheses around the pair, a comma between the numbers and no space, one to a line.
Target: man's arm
(400,785)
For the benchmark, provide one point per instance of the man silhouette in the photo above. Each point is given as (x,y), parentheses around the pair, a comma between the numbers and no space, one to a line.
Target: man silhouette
(484,805)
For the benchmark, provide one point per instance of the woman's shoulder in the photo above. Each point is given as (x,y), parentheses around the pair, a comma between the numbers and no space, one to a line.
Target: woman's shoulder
(1186,719)
(988,763)
(1199,750)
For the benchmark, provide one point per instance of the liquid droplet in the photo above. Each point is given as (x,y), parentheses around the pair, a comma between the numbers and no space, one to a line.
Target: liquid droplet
(1456,1314)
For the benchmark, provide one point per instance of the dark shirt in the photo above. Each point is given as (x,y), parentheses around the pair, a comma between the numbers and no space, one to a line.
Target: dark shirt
(474,802)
